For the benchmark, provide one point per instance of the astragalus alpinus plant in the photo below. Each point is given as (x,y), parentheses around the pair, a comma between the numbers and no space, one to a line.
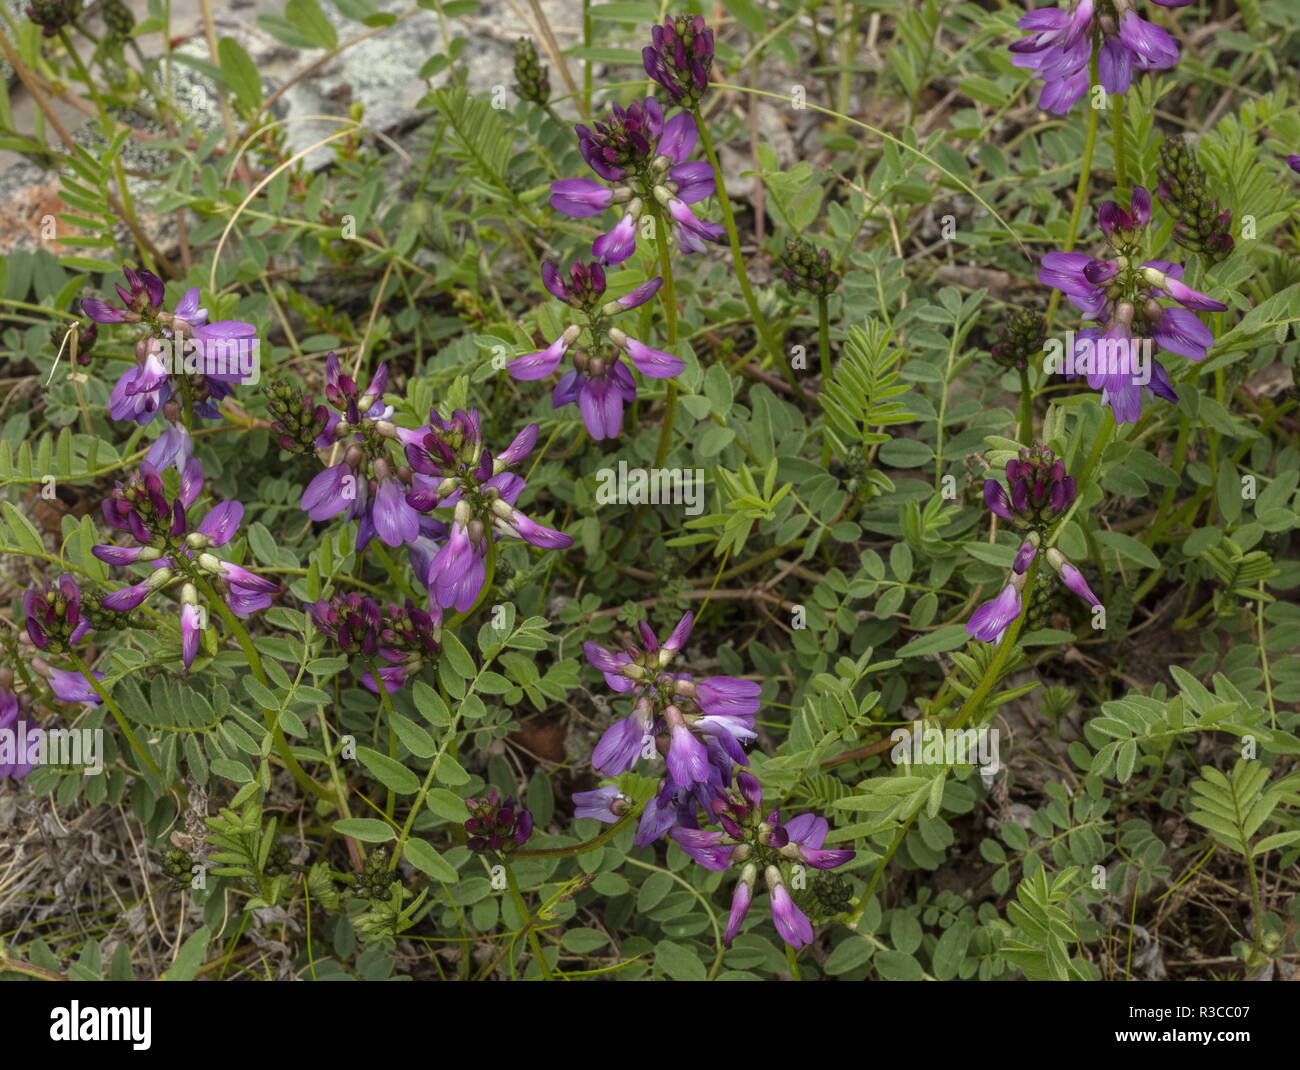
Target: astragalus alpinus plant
(652,515)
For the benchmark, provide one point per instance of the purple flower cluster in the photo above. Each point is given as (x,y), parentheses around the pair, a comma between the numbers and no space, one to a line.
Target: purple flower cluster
(680,57)
(643,159)
(177,551)
(754,843)
(601,385)
(494,825)
(745,839)
(1123,294)
(395,641)
(58,616)
(445,465)
(698,726)
(1040,494)
(210,354)
(451,468)
(364,485)
(1061,41)
(54,618)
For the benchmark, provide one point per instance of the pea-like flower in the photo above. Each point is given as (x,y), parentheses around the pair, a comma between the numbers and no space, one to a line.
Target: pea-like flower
(394,642)
(1124,296)
(1040,492)
(54,618)
(1061,41)
(606,804)
(16,760)
(367,484)
(1040,496)
(642,158)
(600,382)
(450,467)
(698,726)
(498,826)
(180,344)
(680,57)
(179,552)
(753,843)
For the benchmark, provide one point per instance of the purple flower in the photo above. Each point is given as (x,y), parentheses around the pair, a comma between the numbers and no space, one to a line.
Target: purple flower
(394,641)
(1060,42)
(1293,162)
(680,57)
(178,549)
(600,383)
(1124,295)
(606,804)
(191,626)
(211,356)
(395,521)
(330,492)
(580,198)
(741,898)
(600,390)
(451,467)
(1040,489)
(691,234)
(73,687)
(706,848)
(222,522)
(142,297)
(140,391)
(807,833)
(991,619)
(54,617)
(1041,494)
(1071,577)
(172,449)
(494,825)
(699,727)
(127,598)
(618,244)
(644,159)
(750,838)
(19,732)
(792,924)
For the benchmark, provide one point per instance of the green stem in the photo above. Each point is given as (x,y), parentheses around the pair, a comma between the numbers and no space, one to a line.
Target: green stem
(1084,479)
(668,295)
(386,704)
(1081,190)
(525,919)
(733,238)
(416,807)
(587,64)
(118,716)
(1255,903)
(1117,130)
(582,848)
(993,673)
(245,642)
(824,351)
(794,966)
(1026,434)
